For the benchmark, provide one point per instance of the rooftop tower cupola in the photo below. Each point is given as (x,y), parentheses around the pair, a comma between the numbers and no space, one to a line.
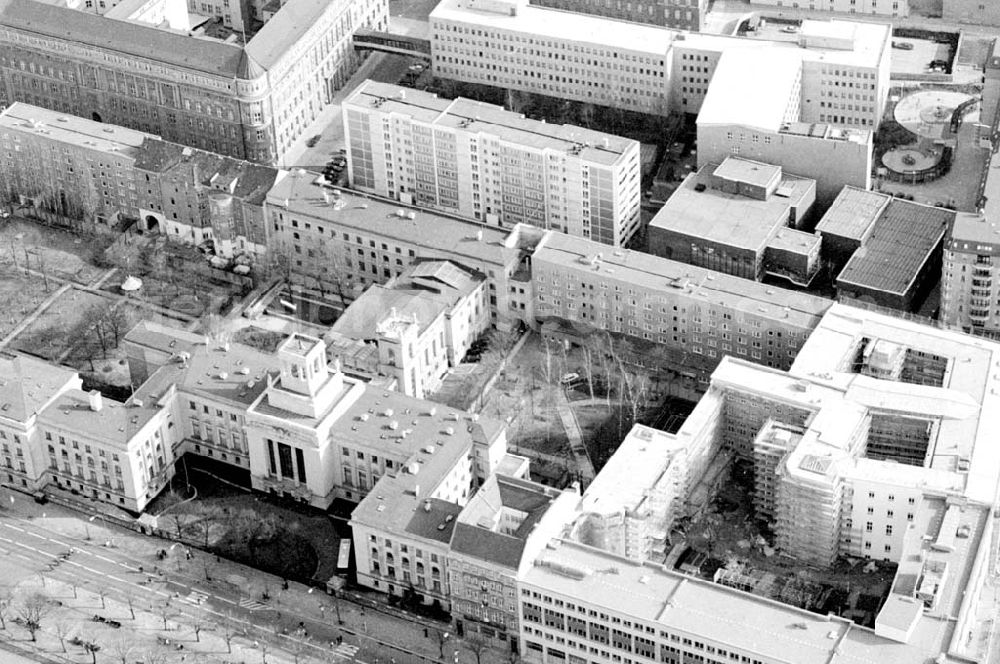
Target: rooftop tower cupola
(303,364)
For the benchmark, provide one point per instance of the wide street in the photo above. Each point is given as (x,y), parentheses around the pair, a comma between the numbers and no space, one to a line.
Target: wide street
(88,568)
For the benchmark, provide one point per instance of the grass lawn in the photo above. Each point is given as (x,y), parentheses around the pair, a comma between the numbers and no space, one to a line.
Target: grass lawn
(49,335)
(287,540)
(20,295)
(57,252)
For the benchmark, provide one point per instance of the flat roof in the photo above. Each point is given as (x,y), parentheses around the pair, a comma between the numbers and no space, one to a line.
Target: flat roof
(567,26)
(480,117)
(852,213)
(795,241)
(462,241)
(969,420)
(976,233)
(114,423)
(739,94)
(633,469)
(730,219)
(904,238)
(73,130)
(698,284)
(686,605)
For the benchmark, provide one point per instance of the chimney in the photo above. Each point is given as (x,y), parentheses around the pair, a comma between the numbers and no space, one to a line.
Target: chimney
(96,401)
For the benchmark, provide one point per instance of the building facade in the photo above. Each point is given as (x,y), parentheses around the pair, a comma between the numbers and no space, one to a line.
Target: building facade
(969,276)
(338,241)
(894,8)
(652,70)
(247,102)
(672,314)
(78,172)
(479,161)
(681,14)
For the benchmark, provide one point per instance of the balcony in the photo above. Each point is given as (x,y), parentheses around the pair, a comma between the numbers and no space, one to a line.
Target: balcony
(979,316)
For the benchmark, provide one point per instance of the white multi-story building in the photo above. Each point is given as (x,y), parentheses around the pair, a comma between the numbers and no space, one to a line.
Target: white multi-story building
(482,162)
(419,324)
(635,67)
(970,275)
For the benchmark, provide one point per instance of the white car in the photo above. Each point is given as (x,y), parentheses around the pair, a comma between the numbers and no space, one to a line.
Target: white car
(569,379)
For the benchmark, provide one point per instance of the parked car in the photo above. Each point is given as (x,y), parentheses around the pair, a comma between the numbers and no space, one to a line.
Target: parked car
(902,46)
(570,378)
(790,29)
(313,141)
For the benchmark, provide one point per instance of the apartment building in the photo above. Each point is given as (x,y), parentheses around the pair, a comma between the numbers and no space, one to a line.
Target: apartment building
(969,285)
(672,315)
(509,44)
(67,169)
(742,218)
(75,171)
(201,198)
(418,325)
(250,102)
(681,14)
(479,161)
(336,239)
(894,8)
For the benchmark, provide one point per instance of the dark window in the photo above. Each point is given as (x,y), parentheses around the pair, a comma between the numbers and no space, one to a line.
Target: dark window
(301,461)
(285,459)
(270,456)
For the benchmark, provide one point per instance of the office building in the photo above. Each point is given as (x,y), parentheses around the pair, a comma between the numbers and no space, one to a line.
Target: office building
(681,14)
(776,127)
(340,239)
(742,218)
(28,386)
(894,8)
(414,327)
(503,526)
(667,315)
(247,101)
(653,70)
(479,161)
(902,241)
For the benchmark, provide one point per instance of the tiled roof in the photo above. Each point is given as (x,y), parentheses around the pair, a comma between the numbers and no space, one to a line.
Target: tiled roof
(125,37)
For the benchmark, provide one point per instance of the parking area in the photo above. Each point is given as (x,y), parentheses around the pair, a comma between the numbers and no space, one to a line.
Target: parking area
(914,56)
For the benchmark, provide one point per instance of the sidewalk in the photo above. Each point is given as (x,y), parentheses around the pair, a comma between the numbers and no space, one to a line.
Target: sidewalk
(380,636)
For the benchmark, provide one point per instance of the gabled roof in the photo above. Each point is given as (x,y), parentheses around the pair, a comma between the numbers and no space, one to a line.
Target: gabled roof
(128,38)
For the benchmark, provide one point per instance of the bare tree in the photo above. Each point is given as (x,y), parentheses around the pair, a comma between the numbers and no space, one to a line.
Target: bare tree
(123,649)
(165,611)
(102,592)
(92,648)
(130,600)
(207,523)
(477,645)
(75,587)
(5,597)
(441,637)
(229,632)
(154,656)
(197,626)
(32,611)
(62,628)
